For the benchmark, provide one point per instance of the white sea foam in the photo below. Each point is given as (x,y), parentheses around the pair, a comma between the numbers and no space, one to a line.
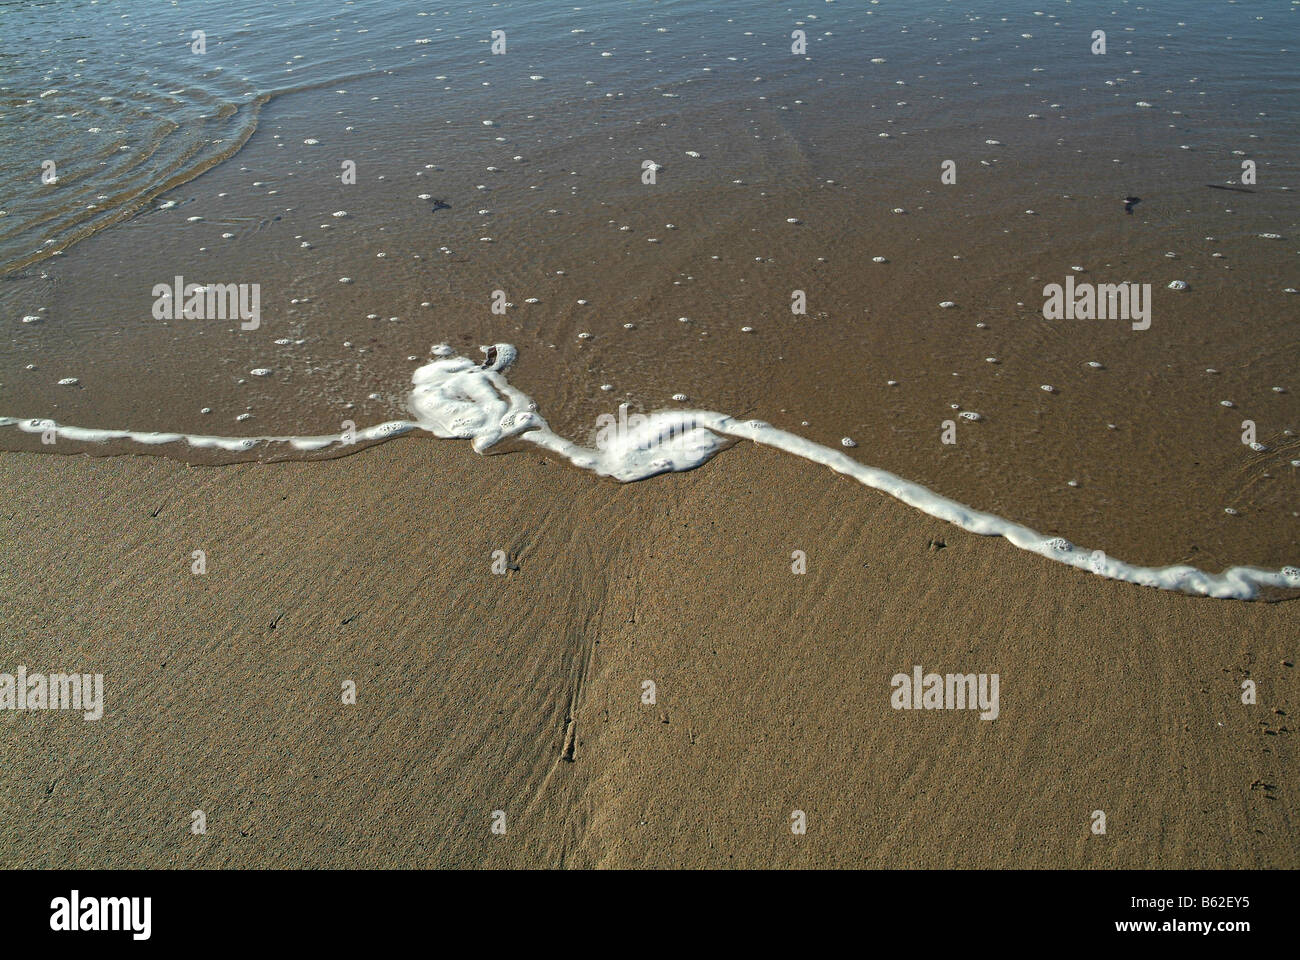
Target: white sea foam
(456,398)
(381,431)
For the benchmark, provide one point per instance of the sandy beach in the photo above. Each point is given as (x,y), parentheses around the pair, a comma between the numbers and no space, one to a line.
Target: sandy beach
(237,236)
(522,692)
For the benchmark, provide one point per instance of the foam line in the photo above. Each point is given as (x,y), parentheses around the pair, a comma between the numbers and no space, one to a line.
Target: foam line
(381,431)
(1241,583)
(454,397)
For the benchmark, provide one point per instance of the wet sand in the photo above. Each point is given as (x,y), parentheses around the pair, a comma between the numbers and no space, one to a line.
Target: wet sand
(522,692)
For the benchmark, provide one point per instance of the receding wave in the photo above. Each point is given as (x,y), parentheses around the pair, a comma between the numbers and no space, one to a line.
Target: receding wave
(98,123)
(115,181)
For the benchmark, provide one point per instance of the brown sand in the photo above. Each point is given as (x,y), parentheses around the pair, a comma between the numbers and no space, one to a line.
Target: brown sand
(223,690)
